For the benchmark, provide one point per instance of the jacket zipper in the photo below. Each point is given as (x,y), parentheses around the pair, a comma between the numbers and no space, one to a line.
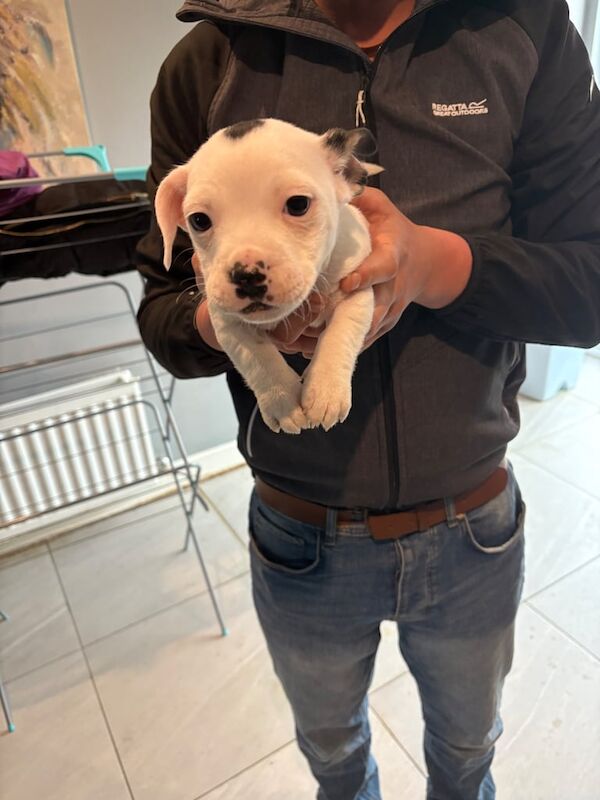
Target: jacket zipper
(383,344)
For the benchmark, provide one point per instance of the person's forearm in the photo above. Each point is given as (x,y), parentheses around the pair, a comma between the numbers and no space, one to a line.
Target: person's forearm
(448,259)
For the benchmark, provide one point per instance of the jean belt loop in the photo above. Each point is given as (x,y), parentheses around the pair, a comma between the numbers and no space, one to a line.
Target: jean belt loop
(331,527)
(451,519)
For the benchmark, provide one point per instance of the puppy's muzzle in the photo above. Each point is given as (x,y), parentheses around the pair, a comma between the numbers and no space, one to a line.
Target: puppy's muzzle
(249,281)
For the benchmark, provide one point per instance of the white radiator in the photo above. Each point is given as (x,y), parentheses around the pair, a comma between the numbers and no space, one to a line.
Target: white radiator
(72,444)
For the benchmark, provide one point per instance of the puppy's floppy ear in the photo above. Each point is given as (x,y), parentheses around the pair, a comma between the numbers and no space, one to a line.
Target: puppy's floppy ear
(168,207)
(341,147)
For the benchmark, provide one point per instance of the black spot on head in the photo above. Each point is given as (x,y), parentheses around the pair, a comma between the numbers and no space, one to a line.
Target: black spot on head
(239,129)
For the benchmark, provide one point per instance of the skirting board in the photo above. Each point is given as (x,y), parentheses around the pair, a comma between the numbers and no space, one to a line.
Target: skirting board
(213,462)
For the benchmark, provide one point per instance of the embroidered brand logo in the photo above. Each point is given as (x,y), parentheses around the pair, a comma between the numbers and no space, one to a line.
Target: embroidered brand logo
(459,109)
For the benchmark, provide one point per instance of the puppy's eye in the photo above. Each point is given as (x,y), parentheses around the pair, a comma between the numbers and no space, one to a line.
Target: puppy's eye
(298,205)
(200,222)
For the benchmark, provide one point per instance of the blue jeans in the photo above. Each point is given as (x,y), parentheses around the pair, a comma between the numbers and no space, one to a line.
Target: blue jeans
(453,591)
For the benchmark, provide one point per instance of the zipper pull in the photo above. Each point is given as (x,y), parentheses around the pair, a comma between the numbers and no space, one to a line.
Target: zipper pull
(360,118)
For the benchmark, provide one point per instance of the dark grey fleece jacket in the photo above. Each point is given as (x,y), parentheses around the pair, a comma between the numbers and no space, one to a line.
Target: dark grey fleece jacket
(487,120)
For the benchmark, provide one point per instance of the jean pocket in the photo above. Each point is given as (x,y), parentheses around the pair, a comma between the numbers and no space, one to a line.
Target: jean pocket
(282,545)
(498,525)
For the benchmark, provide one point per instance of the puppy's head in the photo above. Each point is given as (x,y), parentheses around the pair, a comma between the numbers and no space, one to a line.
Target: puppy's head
(261,202)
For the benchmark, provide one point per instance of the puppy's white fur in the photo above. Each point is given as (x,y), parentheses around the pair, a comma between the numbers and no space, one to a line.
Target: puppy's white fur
(242,178)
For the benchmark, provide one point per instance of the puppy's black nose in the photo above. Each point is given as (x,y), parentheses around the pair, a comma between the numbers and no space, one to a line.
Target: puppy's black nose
(249,280)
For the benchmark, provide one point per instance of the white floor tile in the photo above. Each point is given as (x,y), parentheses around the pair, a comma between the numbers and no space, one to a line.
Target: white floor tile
(541,419)
(39,628)
(285,773)
(562,527)
(61,749)
(118,578)
(573,605)
(399,707)
(588,384)
(398,776)
(389,664)
(571,454)
(122,520)
(189,708)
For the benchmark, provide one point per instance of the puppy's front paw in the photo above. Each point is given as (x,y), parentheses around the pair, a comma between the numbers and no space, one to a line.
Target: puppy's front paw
(281,410)
(326,401)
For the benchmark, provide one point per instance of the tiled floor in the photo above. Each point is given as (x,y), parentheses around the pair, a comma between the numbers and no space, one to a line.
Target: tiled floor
(122,687)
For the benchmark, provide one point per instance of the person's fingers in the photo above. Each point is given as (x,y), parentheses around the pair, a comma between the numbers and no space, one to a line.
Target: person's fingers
(303,344)
(373,203)
(380,266)
(291,327)
(384,295)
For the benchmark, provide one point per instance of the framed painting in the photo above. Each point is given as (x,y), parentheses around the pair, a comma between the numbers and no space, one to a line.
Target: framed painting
(41,102)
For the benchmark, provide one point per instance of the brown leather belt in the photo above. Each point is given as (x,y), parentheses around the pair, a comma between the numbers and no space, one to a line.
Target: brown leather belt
(385,526)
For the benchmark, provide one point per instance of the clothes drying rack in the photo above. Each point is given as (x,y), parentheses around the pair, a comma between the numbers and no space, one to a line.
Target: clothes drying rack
(92,432)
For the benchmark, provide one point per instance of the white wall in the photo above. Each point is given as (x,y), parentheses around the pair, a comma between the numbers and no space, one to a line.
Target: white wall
(119,47)
(584,14)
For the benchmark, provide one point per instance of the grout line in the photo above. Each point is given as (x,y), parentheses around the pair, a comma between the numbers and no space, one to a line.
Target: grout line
(391,680)
(567,635)
(21,560)
(55,547)
(195,596)
(217,511)
(562,578)
(18,677)
(554,475)
(245,769)
(398,742)
(93,680)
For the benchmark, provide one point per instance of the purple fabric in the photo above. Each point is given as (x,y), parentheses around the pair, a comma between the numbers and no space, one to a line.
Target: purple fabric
(15,165)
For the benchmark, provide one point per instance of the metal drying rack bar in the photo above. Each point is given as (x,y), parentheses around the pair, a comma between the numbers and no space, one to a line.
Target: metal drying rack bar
(166,430)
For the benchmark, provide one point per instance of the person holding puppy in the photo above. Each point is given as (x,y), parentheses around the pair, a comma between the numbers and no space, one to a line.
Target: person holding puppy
(485,227)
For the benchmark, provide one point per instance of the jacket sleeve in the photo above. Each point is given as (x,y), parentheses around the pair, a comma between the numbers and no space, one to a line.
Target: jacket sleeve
(179,107)
(542,284)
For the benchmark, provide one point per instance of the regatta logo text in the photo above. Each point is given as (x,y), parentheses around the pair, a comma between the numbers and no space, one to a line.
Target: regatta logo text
(459,109)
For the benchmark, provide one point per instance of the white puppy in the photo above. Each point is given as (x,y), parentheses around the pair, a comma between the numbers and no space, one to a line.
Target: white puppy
(266,206)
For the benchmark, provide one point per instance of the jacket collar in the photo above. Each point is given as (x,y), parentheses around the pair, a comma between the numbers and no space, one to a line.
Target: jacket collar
(296,16)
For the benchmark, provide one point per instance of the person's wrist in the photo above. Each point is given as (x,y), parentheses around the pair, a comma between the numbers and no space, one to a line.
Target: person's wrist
(447,261)
(204,326)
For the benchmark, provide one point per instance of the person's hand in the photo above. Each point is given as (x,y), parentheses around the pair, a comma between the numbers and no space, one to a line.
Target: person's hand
(204,326)
(295,333)
(409,263)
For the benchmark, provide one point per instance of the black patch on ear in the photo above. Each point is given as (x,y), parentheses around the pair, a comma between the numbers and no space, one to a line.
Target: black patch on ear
(337,139)
(354,172)
(239,129)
